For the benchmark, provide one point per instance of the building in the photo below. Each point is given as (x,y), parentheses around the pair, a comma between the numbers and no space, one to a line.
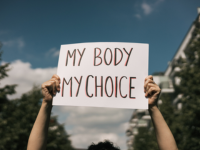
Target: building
(140,117)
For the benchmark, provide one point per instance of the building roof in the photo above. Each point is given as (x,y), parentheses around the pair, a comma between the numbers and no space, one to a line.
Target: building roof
(183,45)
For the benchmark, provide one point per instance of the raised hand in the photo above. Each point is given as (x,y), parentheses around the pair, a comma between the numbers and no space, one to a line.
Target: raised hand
(49,88)
(151,90)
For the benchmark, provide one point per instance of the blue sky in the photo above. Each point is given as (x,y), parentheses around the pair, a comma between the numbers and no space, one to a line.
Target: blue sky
(32,32)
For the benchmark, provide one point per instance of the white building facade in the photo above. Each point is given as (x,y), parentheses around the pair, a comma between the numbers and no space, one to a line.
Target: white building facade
(140,117)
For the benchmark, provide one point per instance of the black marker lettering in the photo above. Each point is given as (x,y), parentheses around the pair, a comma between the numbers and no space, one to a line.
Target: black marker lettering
(105,56)
(70,55)
(120,87)
(116,81)
(70,80)
(130,87)
(79,84)
(128,55)
(86,86)
(111,86)
(115,56)
(97,57)
(81,55)
(101,86)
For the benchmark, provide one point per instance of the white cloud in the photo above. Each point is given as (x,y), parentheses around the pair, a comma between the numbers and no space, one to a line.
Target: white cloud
(146,8)
(143,8)
(81,139)
(18,43)
(53,52)
(90,124)
(25,77)
(84,124)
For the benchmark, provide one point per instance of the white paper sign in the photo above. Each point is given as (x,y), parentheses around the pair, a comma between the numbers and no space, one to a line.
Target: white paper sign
(103,75)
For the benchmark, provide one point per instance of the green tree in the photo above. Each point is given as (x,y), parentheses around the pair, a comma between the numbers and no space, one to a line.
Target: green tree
(189,87)
(18,116)
(8,89)
(184,123)
(145,140)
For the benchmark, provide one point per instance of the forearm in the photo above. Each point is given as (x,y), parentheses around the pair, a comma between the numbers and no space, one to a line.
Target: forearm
(38,136)
(164,136)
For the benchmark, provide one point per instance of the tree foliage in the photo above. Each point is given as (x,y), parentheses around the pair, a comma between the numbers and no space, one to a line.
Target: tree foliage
(185,122)
(8,89)
(145,140)
(189,87)
(18,116)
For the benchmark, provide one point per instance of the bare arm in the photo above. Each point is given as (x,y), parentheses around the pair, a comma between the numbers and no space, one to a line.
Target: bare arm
(164,136)
(38,136)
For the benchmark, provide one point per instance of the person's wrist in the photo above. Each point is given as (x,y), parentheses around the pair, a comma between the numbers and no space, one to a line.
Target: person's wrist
(47,103)
(152,108)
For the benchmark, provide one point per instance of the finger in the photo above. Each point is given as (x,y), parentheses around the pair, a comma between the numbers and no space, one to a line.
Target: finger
(46,88)
(146,83)
(57,85)
(149,77)
(53,86)
(153,91)
(46,84)
(150,91)
(55,76)
(149,85)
